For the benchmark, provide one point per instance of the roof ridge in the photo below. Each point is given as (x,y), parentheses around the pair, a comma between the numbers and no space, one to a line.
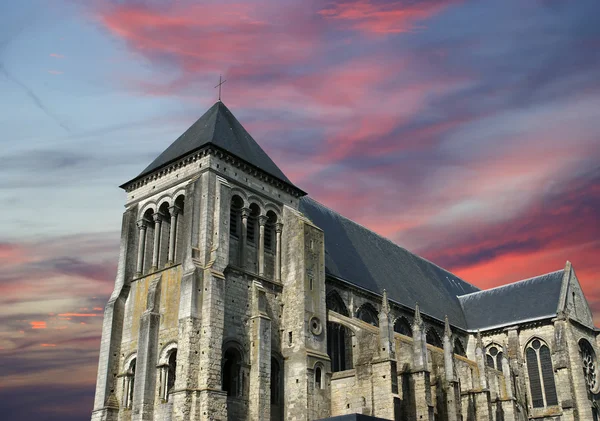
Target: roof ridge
(388,240)
(512,283)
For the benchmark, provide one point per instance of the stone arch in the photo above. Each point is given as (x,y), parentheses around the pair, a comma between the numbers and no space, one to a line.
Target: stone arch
(368,313)
(151,205)
(129,367)
(236,191)
(319,375)
(167,365)
(273,208)
(403,326)
(165,198)
(253,199)
(163,357)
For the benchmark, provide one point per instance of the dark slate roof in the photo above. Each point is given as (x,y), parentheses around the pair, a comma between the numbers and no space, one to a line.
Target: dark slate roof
(533,298)
(218,127)
(370,261)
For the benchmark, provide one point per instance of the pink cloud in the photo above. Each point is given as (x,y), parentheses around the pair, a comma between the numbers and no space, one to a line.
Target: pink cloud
(380,17)
(38,325)
(55,55)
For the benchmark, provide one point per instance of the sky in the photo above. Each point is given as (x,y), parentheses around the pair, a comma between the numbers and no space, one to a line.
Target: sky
(466,132)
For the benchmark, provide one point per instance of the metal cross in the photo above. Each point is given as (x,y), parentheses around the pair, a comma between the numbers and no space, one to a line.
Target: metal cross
(219,86)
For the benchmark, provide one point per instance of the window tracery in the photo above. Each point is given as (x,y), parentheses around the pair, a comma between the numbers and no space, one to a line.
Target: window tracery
(588,359)
(541,374)
(493,357)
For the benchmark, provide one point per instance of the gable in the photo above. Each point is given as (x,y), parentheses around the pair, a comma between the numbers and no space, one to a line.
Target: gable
(573,301)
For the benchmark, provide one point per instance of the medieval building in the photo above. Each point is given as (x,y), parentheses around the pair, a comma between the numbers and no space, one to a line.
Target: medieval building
(238,297)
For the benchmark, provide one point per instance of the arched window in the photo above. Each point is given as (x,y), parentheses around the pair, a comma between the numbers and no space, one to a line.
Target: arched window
(318,377)
(165,230)
(270,239)
(541,374)
(178,228)
(235,216)
(588,359)
(335,303)
(231,374)
(493,357)
(171,372)
(402,326)
(367,313)
(129,380)
(148,245)
(432,338)
(459,348)
(252,231)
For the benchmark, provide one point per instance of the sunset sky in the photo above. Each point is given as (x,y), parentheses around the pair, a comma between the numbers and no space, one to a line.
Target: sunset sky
(467,132)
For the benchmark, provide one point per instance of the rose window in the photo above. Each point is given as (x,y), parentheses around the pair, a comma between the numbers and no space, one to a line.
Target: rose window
(589,366)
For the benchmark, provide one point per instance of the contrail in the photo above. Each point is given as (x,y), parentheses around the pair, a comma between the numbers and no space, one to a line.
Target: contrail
(37,101)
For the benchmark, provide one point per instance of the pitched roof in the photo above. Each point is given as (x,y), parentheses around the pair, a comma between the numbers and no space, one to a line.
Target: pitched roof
(370,261)
(220,128)
(530,299)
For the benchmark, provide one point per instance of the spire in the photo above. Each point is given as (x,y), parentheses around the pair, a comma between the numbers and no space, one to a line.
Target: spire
(418,322)
(447,330)
(385,304)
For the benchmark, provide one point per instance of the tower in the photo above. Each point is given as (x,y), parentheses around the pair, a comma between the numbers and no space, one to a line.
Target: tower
(196,327)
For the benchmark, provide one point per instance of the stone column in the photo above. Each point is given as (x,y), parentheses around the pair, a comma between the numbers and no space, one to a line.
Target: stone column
(156,250)
(480,357)
(420,375)
(262,220)
(508,402)
(245,215)
(260,357)
(278,229)
(452,391)
(174,210)
(142,225)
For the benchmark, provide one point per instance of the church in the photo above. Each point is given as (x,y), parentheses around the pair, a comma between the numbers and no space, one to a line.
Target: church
(239,297)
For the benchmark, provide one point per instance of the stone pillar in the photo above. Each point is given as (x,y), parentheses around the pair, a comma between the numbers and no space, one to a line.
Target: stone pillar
(245,215)
(508,402)
(144,386)
(481,365)
(260,357)
(420,376)
(156,249)
(452,392)
(142,225)
(174,210)
(106,406)
(278,229)
(262,220)
(482,396)
(387,344)
(184,393)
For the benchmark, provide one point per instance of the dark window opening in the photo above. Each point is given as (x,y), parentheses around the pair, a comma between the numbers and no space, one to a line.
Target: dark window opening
(367,313)
(318,374)
(171,372)
(432,338)
(275,382)
(232,372)
(402,326)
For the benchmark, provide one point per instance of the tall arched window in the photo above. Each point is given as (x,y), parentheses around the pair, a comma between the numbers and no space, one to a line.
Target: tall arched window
(179,213)
(165,230)
(252,233)
(171,372)
(367,313)
(129,379)
(493,357)
(432,338)
(235,231)
(275,382)
(588,360)
(318,377)
(231,374)
(402,326)
(335,303)
(541,374)
(270,240)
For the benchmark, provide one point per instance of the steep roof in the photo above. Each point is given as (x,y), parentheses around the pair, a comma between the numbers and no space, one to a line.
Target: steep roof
(530,299)
(218,127)
(370,261)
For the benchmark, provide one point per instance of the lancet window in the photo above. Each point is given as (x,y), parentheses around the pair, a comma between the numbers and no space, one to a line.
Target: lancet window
(168,371)
(541,374)
(459,348)
(339,337)
(232,372)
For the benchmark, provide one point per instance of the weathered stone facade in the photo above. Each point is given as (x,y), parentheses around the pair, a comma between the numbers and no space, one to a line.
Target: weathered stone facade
(224,308)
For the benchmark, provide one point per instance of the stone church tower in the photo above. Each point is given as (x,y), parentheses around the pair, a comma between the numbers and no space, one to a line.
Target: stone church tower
(238,297)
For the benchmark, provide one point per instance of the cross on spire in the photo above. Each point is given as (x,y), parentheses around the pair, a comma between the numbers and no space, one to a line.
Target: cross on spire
(219,86)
